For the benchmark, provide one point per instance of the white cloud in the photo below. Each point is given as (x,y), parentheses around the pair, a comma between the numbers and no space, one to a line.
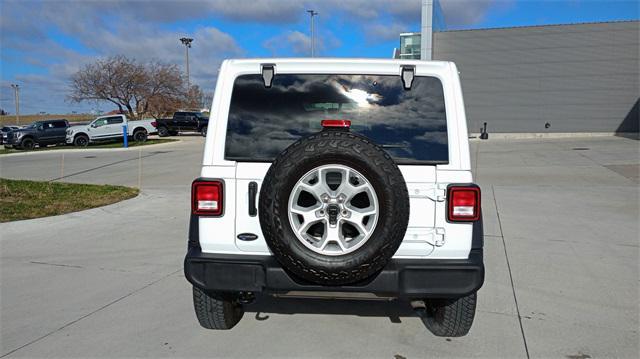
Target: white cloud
(381,32)
(89,37)
(137,28)
(297,43)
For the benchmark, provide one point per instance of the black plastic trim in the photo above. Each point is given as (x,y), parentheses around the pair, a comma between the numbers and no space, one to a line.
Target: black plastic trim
(405,278)
(477,238)
(194,232)
(253,192)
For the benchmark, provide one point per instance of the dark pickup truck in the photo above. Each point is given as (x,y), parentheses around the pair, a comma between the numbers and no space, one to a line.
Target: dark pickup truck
(185,121)
(41,133)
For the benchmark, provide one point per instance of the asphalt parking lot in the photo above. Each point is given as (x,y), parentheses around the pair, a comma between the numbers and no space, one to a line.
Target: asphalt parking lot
(561,255)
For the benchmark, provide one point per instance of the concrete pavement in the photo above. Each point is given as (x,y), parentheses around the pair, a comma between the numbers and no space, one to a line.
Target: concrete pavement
(561,253)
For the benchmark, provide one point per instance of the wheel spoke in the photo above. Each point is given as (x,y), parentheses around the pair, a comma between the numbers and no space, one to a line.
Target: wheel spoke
(302,231)
(308,213)
(315,190)
(323,180)
(333,234)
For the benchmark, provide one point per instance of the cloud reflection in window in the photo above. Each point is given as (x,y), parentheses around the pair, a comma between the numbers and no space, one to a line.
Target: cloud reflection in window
(410,125)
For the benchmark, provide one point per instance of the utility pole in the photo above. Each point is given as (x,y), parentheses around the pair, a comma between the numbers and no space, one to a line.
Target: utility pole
(16,92)
(313,13)
(186,41)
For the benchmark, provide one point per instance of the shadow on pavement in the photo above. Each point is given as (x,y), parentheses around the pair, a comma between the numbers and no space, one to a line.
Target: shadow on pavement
(394,309)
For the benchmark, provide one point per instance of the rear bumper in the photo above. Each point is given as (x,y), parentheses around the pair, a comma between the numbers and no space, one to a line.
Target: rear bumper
(405,278)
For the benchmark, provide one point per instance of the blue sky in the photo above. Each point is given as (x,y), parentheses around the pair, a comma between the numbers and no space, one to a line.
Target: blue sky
(44,42)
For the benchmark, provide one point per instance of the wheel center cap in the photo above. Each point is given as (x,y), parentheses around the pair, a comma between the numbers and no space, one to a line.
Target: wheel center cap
(332,211)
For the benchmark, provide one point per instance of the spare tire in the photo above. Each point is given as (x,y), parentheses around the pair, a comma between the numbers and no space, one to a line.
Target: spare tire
(334,208)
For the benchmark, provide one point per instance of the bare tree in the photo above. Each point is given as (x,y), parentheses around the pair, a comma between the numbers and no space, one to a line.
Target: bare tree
(153,88)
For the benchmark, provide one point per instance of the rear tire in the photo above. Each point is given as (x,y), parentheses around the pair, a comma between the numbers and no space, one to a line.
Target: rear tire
(450,317)
(81,141)
(216,310)
(203,131)
(27,144)
(140,135)
(163,131)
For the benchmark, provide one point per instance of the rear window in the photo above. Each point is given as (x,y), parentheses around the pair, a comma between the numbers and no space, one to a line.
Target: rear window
(114,120)
(410,125)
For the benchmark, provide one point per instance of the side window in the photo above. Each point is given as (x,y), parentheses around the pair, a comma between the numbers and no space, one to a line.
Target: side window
(100,122)
(59,124)
(114,120)
(48,125)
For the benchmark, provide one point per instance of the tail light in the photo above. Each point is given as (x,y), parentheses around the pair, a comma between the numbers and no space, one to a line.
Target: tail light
(463,203)
(207,198)
(336,123)
(154,124)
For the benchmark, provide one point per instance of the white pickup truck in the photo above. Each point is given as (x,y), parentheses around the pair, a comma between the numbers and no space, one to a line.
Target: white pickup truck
(109,128)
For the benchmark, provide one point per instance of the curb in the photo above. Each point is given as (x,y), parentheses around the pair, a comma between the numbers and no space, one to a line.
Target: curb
(79,150)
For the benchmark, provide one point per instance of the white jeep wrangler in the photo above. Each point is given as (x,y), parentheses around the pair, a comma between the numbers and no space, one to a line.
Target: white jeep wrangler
(337,177)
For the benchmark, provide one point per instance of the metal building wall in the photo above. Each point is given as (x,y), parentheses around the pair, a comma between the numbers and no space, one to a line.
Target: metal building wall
(576,78)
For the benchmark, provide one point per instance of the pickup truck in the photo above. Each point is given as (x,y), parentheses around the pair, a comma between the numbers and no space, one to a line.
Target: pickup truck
(184,121)
(337,178)
(109,128)
(41,133)
(4,132)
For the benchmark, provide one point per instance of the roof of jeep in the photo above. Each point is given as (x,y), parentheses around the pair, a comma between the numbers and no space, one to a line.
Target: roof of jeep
(328,60)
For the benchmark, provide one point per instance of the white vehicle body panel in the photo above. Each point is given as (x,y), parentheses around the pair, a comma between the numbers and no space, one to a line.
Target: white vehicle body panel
(109,131)
(429,235)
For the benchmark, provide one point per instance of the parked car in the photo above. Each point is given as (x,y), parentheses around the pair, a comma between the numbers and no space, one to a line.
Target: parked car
(40,133)
(4,131)
(337,178)
(184,121)
(109,128)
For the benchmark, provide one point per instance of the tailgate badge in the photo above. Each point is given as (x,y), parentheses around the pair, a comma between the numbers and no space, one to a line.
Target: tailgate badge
(247,236)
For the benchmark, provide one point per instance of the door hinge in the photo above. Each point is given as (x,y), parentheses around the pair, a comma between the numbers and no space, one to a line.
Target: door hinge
(438,237)
(437,194)
(434,193)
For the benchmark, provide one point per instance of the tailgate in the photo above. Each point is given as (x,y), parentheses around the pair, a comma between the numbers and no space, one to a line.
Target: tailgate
(418,241)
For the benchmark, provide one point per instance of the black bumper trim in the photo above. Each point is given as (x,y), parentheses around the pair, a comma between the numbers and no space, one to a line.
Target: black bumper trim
(405,278)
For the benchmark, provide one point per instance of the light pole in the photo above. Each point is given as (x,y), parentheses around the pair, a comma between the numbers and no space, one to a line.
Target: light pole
(186,41)
(312,13)
(16,92)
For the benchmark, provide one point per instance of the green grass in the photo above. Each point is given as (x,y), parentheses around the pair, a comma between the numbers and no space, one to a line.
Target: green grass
(4,151)
(30,199)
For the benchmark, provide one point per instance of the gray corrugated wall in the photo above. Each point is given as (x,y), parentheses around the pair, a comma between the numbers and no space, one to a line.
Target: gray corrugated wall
(578,78)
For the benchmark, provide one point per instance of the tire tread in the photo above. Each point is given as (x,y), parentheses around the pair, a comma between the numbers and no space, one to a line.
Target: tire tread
(457,316)
(215,312)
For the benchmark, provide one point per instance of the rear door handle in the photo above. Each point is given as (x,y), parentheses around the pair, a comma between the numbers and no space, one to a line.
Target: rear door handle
(253,192)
